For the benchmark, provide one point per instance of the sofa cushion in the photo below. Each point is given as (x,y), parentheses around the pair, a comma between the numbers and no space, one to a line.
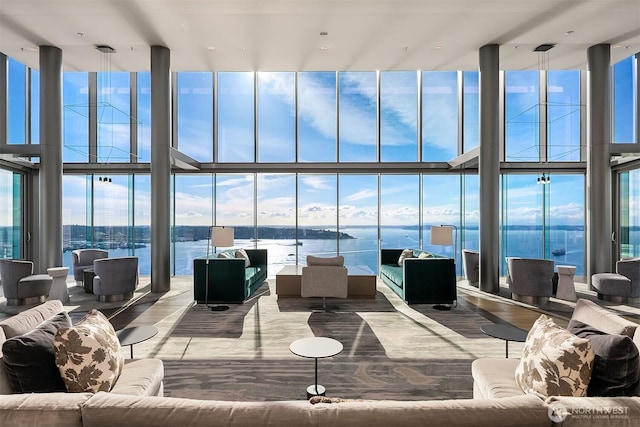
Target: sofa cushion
(393,272)
(493,378)
(225,254)
(424,255)
(592,314)
(29,359)
(326,261)
(406,253)
(142,377)
(24,322)
(554,361)
(88,354)
(616,368)
(241,253)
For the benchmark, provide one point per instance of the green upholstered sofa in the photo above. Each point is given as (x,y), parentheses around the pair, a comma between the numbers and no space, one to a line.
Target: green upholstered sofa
(230,281)
(429,280)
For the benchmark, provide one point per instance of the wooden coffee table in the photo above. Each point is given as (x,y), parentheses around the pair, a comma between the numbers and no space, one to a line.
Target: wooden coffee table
(316,348)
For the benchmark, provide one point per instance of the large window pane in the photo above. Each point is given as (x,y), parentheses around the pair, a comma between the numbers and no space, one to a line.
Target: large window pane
(566,220)
(471,208)
(17,102)
(276,117)
(141,242)
(317,215)
(144,117)
(276,207)
(236,135)
(76,215)
(522,115)
(193,201)
(399,211)
(398,116)
(113,215)
(317,116)
(625,90)
(75,136)
(358,117)
(195,115)
(470,111)
(35,107)
(441,206)
(522,218)
(439,116)
(358,218)
(235,206)
(114,117)
(630,214)
(563,115)
(10,215)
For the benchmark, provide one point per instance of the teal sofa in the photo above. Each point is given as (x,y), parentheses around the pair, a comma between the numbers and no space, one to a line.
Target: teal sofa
(229,280)
(429,280)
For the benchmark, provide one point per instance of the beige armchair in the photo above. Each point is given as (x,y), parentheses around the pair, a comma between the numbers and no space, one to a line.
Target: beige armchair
(324,277)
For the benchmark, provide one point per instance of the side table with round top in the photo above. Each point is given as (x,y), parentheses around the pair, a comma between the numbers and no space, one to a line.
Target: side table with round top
(59,289)
(135,335)
(316,348)
(506,333)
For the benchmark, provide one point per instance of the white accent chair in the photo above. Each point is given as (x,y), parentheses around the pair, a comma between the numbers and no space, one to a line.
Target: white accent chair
(325,278)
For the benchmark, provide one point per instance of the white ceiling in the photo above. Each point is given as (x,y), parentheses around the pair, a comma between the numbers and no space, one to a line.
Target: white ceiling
(284,35)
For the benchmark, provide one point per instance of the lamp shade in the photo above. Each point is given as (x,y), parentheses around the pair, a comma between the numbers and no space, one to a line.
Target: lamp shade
(222,236)
(442,235)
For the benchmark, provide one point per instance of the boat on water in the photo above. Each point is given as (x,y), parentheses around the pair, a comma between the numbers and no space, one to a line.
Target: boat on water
(558,252)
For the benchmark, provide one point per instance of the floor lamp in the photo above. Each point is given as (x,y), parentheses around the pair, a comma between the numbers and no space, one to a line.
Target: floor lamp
(218,237)
(443,235)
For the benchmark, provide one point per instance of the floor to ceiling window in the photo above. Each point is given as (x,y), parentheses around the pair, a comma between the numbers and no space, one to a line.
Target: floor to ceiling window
(357,116)
(276,117)
(629,214)
(10,214)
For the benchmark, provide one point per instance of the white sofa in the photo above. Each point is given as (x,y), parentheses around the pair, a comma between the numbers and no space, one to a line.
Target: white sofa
(494,378)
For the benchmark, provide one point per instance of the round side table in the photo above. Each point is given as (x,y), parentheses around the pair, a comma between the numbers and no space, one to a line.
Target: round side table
(316,348)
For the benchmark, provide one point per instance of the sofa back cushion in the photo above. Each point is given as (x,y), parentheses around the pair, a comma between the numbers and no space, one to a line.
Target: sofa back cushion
(24,322)
(29,359)
(602,319)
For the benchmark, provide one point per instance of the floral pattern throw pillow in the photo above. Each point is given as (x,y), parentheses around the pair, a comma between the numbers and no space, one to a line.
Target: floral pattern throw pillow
(88,354)
(554,361)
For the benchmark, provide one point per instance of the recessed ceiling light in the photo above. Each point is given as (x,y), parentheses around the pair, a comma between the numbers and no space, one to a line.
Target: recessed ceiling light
(211,48)
(438,47)
(324,47)
(616,46)
(81,34)
(33,49)
(243,49)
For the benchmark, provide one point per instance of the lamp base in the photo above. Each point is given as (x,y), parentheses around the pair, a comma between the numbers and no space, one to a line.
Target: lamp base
(218,307)
(442,307)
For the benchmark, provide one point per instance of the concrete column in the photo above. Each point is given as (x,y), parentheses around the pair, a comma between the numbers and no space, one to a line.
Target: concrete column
(599,201)
(160,169)
(50,230)
(489,168)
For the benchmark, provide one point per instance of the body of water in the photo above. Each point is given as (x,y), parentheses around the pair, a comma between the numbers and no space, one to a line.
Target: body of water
(363,249)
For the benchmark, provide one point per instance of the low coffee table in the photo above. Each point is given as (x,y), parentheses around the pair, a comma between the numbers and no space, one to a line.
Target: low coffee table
(316,348)
(506,333)
(135,335)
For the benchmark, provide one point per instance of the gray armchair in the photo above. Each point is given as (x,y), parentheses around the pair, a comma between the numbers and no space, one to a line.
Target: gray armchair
(530,280)
(83,259)
(471,265)
(623,286)
(116,278)
(324,277)
(20,285)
